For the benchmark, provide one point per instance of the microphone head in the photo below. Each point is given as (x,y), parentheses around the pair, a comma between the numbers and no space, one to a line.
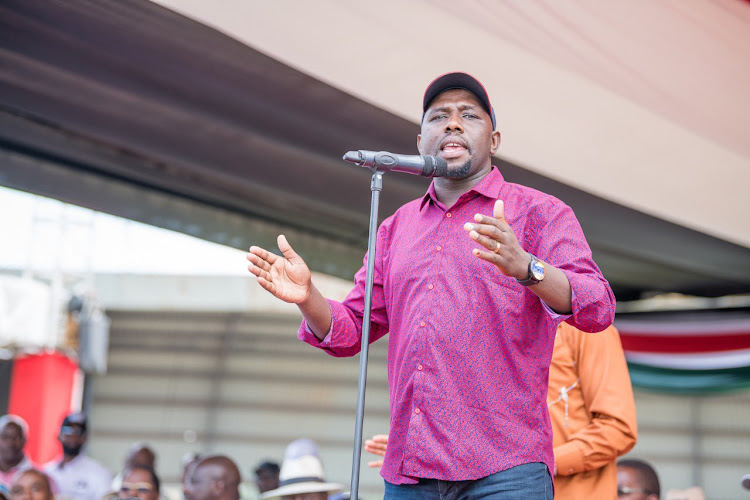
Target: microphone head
(434,166)
(353,156)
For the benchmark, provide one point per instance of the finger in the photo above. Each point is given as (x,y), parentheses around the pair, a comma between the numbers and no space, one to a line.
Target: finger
(490,244)
(259,273)
(498,211)
(258,262)
(376,450)
(269,286)
(490,257)
(263,254)
(374,447)
(380,438)
(488,230)
(500,224)
(375,464)
(287,250)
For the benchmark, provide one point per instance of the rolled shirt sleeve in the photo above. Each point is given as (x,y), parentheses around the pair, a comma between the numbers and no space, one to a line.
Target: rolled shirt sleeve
(345,335)
(560,241)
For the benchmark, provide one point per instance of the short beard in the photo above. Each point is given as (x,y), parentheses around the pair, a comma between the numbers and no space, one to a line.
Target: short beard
(72,451)
(459,172)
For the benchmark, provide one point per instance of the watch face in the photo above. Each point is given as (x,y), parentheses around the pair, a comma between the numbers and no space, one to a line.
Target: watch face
(537,270)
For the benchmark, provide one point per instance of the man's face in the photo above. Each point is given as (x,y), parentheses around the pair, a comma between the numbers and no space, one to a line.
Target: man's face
(630,486)
(11,443)
(72,437)
(138,483)
(200,484)
(457,128)
(30,486)
(266,480)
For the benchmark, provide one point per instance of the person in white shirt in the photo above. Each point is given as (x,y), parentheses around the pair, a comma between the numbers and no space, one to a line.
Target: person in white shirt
(77,476)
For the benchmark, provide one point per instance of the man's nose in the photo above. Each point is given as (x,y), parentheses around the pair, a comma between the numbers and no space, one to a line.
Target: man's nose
(454,123)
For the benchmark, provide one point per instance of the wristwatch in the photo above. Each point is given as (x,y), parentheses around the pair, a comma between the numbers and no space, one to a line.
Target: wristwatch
(536,272)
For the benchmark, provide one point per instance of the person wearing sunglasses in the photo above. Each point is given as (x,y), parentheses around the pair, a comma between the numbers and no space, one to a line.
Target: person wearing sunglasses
(77,475)
(139,481)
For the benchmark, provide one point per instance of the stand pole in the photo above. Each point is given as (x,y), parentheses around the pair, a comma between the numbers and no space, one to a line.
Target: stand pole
(376,186)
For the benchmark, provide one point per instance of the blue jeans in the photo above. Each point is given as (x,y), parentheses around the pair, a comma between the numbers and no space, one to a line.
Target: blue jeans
(523,482)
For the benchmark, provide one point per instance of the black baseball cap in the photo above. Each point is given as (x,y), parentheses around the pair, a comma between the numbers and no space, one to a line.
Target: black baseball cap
(75,419)
(458,80)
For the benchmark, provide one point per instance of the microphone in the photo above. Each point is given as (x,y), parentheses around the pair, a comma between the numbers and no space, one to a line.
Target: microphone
(428,166)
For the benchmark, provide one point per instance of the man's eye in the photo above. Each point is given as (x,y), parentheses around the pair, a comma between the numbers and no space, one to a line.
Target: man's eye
(469,115)
(437,117)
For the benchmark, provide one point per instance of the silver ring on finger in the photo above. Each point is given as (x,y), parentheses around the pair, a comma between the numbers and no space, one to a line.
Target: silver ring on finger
(497,247)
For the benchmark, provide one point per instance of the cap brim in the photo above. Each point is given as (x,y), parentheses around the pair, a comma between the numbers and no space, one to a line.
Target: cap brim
(298,488)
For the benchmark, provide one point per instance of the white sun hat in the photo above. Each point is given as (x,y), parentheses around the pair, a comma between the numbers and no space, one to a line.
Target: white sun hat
(301,472)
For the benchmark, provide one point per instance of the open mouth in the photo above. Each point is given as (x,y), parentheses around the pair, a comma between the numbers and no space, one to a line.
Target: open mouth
(452,149)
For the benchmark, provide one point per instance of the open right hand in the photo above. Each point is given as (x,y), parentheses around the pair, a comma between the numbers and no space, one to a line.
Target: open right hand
(287,277)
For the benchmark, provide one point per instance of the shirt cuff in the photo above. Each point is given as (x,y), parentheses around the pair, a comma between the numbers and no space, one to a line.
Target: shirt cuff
(569,458)
(557,317)
(306,335)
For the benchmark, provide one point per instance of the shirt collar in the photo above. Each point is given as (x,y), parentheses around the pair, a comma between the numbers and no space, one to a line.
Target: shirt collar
(73,462)
(489,187)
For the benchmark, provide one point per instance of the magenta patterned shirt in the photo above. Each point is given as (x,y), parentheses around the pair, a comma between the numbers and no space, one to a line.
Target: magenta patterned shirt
(469,348)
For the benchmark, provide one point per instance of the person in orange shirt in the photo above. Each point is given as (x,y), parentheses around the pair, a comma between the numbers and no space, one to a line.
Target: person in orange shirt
(591,405)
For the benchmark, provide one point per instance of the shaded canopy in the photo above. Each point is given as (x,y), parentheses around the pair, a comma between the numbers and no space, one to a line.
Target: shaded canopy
(134,110)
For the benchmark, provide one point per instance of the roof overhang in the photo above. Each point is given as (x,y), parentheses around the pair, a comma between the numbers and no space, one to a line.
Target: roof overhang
(138,111)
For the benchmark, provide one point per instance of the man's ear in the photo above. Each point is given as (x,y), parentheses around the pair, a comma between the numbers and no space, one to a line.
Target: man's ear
(495,143)
(419,143)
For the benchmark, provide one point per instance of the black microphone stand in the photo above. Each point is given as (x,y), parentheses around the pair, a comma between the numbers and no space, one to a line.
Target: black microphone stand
(376,185)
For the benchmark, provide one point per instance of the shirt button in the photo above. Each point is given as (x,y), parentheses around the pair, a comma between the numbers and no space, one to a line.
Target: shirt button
(416,411)
(422,323)
(438,248)
(448,215)
(430,287)
(419,367)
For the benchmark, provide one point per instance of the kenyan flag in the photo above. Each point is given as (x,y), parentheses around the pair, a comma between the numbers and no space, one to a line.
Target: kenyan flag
(687,353)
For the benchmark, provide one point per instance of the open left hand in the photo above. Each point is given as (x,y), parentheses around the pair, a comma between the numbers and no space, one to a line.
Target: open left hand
(503,249)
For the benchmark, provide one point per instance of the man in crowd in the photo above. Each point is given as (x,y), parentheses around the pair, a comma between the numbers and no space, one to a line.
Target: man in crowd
(301,476)
(470,281)
(76,475)
(138,454)
(267,476)
(13,461)
(590,399)
(637,480)
(139,481)
(213,478)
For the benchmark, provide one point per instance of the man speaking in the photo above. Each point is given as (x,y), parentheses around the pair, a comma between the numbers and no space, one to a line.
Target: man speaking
(470,281)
